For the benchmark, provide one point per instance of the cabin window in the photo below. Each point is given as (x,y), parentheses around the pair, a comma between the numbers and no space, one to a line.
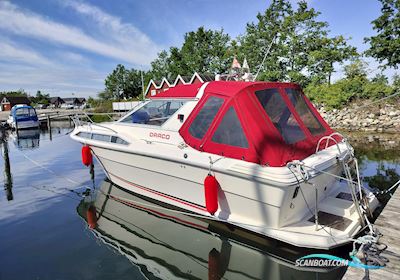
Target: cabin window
(306,115)
(280,115)
(205,116)
(117,140)
(155,112)
(84,135)
(230,131)
(102,137)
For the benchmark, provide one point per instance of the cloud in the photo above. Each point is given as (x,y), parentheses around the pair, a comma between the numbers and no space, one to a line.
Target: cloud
(125,43)
(65,73)
(12,53)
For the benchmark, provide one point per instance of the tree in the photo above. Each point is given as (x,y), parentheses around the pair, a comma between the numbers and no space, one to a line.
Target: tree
(270,29)
(122,84)
(301,51)
(385,45)
(356,69)
(41,98)
(203,50)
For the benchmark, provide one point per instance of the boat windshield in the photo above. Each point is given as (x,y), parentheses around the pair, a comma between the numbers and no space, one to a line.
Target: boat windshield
(155,112)
(25,112)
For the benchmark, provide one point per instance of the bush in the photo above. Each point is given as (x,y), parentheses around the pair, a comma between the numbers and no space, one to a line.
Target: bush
(344,91)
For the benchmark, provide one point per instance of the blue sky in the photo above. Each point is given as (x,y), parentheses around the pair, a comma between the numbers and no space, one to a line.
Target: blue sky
(69,46)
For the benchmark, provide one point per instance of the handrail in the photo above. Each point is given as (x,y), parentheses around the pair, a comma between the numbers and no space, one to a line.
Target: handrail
(327,137)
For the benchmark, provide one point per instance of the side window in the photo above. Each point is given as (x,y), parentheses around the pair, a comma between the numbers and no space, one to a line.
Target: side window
(280,115)
(230,131)
(306,115)
(205,116)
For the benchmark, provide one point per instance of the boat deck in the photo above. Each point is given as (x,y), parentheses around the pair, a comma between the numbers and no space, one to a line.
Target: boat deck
(388,224)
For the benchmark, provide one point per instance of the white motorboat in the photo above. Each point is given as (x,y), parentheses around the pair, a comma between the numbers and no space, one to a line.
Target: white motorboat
(257,155)
(23,117)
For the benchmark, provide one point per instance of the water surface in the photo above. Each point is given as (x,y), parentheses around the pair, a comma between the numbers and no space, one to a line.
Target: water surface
(45,204)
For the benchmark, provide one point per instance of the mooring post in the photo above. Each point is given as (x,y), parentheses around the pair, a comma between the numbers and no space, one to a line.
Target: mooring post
(316,209)
(49,126)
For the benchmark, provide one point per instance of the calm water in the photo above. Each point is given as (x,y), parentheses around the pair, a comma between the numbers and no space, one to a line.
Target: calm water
(44,206)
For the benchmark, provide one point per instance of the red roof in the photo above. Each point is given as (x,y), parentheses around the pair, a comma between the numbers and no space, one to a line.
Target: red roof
(226,88)
(179,91)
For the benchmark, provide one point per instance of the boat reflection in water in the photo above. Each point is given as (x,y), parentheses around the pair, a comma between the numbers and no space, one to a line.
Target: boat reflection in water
(26,139)
(166,244)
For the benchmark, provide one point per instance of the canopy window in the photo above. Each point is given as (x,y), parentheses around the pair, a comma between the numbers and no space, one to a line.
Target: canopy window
(305,113)
(280,115)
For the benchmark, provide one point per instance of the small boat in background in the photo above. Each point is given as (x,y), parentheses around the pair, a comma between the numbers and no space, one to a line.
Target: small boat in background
(23,116)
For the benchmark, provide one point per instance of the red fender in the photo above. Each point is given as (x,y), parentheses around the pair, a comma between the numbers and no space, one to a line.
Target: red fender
(87,158)
(211,194)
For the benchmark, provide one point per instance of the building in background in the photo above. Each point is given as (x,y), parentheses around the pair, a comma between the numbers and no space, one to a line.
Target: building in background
(73,103)
(155,87)
(56,102)
(9,101)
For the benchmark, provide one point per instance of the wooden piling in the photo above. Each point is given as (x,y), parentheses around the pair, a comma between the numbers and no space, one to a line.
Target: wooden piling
(49,127)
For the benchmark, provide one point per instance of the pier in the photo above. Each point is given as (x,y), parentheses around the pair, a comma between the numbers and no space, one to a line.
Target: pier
(47,116)
(389,226)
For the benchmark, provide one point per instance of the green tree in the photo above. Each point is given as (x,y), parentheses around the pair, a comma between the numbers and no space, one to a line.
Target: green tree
(356,69)
(122,84)
(385,45)
(41,98)
(301,51)
(203,51)
(160,66)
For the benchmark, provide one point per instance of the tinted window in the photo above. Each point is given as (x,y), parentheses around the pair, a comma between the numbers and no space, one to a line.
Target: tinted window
(280,115)
(101,137)
(156,112)
(117,140)
(306,115)
(204,118)
(230,131)
(84,135)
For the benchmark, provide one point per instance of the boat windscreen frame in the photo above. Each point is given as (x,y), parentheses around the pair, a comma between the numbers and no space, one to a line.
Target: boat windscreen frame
(148,101)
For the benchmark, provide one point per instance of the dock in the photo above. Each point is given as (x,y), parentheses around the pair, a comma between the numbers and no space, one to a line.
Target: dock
(389,226)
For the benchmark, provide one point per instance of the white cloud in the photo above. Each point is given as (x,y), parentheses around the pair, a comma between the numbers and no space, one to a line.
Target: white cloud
(127,44)
(9,51)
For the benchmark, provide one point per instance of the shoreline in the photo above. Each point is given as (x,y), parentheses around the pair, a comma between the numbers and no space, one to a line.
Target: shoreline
(379,118)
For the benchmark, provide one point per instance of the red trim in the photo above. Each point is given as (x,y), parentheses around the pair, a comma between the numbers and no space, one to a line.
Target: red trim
(161,194)
(130,204)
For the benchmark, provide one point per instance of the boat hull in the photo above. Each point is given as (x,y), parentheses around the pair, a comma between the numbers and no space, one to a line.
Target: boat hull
(244,202)
(25,124)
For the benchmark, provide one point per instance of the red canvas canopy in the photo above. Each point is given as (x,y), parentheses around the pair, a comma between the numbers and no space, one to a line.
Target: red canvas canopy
(262,122)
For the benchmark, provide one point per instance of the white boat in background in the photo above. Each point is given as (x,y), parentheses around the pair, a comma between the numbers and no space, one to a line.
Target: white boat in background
(167,245)
(257,155)
(23,117)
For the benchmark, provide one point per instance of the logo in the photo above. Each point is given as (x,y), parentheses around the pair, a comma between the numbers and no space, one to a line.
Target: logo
(159,135)
(326,260)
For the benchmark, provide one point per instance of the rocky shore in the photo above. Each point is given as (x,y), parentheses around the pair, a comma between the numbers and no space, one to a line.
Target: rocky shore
(378,118)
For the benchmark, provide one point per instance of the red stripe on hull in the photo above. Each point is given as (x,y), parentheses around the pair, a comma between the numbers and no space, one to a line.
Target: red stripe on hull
(161,194)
